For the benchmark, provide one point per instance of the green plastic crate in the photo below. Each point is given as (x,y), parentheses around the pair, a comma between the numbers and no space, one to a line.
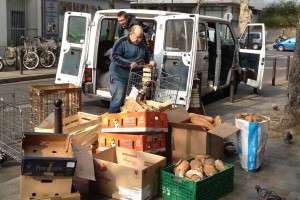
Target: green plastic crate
(214,187)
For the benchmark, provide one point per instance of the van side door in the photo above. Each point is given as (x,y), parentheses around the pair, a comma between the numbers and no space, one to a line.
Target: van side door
(252,55)
(74,44)
(175,50)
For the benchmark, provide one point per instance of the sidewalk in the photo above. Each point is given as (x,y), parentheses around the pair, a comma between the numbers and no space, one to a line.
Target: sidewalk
(280,168)
(17,76)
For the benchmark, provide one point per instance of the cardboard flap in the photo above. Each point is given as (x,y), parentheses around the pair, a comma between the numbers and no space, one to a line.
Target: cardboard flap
(177,115)
(34,138)
(187,126)
(85,165)
(224,130)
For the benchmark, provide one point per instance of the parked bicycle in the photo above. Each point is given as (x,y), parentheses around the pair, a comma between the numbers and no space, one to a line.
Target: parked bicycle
(10,55)
(1,63)
(56,48)
(47,57)
(30,58)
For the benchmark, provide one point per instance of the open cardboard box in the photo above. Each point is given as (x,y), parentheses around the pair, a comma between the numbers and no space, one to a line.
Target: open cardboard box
(191,139)
(46,154)
(127,174)
(44,186)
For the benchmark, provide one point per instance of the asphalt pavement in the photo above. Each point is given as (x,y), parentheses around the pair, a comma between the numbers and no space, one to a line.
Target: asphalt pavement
(279,171)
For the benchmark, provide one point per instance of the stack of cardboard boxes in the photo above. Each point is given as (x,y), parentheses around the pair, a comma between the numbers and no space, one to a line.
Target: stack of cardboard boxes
(142,131)
(47,167)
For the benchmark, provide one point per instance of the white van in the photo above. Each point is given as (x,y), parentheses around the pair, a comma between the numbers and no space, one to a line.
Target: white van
(192,46)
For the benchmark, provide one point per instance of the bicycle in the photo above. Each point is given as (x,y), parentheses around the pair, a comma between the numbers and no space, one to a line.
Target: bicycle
(30,58)
(1,65)
(10,55)
(47,57)
(56,48)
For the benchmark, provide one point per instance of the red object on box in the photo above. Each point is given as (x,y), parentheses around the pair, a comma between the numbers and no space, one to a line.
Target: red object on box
(148,142)
(134,122)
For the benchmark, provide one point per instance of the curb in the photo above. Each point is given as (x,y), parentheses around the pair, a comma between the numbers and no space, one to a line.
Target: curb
(27,78)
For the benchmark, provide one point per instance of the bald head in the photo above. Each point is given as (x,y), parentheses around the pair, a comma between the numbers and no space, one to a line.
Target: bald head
(136,34)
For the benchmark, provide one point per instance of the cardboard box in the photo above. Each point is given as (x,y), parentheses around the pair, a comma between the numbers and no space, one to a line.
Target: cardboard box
(177,115)
(46,154)
(127,173)
(148,142)
(135,122)
(71,196)
(44,186)
(190,139)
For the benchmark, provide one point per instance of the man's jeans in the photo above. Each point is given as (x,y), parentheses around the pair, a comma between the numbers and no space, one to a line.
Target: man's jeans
(118,94)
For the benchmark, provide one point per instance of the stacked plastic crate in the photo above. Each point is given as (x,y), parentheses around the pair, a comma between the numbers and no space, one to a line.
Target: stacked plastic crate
(142,131)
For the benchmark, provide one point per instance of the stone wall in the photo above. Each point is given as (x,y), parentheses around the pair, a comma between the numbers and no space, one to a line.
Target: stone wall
(273,33)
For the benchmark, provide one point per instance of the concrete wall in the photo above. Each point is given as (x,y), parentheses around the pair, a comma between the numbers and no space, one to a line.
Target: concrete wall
(3,23)
(273,33)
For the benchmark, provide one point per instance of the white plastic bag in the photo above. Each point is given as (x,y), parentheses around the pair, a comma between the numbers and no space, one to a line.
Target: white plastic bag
(251,141)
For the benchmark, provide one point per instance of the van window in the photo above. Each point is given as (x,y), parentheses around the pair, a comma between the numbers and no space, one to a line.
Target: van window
(108,29)
(76,29)
(202,38)
(178,35)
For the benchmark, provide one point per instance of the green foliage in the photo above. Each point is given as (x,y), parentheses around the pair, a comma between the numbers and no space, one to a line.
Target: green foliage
(281,14)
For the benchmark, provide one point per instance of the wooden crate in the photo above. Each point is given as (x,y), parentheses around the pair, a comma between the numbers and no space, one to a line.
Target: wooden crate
(74,124)
(42,99)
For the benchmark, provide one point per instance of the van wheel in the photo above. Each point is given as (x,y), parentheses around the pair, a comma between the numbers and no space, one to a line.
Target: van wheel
(105,103)
(226,91)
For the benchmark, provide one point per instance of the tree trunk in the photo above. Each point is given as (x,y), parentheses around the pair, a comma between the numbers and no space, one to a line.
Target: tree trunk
(245,15)
(111,4)
(291,113)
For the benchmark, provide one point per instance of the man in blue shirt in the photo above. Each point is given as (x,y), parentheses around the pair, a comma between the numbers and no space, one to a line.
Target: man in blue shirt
(128,53)
(125,22)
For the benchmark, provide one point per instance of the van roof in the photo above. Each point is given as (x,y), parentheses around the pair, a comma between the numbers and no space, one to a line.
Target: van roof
(152,13)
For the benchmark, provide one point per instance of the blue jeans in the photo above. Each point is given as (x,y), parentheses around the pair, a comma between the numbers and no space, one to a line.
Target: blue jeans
(118,94)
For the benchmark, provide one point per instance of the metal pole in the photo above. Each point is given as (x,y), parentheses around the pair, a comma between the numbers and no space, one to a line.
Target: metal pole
(19,63)
(274,72)
(231,85)
(287,68)
(58,116)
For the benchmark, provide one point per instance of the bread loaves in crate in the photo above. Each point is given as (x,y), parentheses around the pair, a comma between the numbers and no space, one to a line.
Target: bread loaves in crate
(201,167)
(251,117)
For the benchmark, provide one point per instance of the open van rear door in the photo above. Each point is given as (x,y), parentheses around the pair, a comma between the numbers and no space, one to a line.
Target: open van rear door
(252,54)
(73,48)
(177,51)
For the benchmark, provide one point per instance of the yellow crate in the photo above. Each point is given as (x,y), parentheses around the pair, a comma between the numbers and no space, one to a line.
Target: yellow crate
(42,99)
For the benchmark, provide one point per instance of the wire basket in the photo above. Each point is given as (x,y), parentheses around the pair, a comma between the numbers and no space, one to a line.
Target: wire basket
(156,84)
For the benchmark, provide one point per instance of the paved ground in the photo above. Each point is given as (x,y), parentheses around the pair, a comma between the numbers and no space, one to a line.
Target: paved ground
(280,168)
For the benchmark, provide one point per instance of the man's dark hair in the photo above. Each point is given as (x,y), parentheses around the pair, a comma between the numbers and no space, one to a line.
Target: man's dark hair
(122,13)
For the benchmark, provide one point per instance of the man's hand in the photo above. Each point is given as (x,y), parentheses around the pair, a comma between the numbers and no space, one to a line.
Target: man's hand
(134,65)
(153,63)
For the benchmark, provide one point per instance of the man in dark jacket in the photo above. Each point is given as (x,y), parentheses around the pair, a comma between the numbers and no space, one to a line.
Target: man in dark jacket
(125,22)
(128,53)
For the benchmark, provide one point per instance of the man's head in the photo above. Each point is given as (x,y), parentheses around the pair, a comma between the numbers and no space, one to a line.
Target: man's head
(123,18)
(136,34)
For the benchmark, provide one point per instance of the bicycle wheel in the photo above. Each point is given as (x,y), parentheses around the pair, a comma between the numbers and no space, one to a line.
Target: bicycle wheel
(30,60)
(10,56)
(1,65)
(47,59)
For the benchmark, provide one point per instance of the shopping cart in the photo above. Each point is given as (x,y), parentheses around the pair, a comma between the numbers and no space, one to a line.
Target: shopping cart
(22,111)
(14,119)
(156,84)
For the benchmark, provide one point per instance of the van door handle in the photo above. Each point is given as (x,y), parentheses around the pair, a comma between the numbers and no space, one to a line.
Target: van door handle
(205,57)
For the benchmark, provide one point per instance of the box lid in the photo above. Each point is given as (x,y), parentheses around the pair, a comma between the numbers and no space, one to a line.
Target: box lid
(177,115)
(224,130)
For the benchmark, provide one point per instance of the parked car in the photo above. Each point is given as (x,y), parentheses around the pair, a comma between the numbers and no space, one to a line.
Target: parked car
(254,41)
(286,45)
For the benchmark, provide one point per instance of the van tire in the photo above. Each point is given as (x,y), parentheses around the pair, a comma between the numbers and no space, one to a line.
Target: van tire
(226,91)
